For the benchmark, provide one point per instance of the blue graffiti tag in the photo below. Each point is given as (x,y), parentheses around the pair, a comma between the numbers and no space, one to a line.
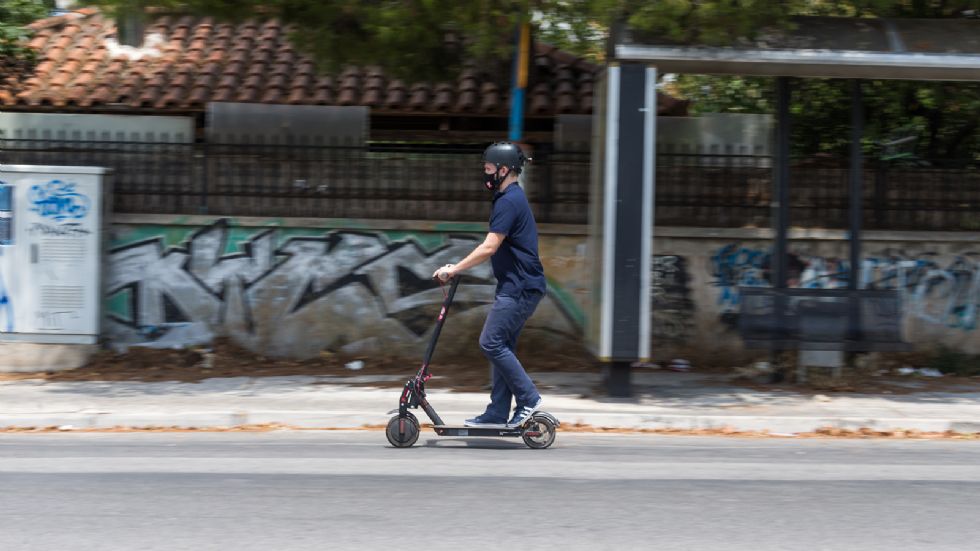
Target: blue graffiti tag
(59,201)
(734,266)
(6,307)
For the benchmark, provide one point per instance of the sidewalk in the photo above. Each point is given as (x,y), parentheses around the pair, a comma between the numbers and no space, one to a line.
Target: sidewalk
(665,400)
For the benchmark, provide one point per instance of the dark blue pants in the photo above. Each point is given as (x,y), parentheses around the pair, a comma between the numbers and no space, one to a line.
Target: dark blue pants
(498,341)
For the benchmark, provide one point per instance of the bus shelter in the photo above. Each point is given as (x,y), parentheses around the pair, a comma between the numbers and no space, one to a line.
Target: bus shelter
(624,167)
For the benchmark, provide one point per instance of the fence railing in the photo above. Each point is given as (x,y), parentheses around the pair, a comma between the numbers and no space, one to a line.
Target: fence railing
(443,183)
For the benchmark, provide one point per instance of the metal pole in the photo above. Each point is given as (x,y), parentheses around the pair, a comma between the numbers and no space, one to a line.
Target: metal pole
(856,208)
(781,182)
(781,214)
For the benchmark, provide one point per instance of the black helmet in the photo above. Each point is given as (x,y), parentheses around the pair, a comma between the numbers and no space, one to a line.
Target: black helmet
(505,154)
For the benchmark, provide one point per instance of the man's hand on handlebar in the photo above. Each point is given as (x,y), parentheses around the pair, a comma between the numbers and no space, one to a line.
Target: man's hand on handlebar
(445,273)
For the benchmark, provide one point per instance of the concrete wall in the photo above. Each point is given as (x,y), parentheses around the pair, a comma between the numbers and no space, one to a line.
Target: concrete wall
(697,273)
(31,357)
(294,287)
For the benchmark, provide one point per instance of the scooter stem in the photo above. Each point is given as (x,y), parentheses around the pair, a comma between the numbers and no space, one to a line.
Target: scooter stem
(439,323)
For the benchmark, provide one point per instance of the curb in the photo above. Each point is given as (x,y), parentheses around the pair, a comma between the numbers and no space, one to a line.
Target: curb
(358,419)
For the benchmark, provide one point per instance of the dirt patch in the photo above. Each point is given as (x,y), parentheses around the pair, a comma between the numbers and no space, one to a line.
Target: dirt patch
(876,373)
(827,432)
(467,373)
(888,384)
(224,358)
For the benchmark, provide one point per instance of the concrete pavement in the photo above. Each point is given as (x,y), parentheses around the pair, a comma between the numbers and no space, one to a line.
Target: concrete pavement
(316,490)
(664,400)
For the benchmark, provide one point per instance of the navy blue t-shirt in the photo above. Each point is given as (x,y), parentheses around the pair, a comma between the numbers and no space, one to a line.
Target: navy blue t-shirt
(516,264)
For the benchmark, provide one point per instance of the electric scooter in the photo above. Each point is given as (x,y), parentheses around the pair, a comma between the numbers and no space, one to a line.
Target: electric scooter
(538,431)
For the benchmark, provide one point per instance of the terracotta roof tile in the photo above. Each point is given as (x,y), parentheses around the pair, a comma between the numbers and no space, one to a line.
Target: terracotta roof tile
(204,80)
(216,55)
(60,80)
(197,44)
(199,95)
(100,95)
(210,69)
(323,96)
(148,96)
(223,94)
(444,97)
(85,79)
(466,102)
(39,40)
(419,99)
(91,66)
(396,95)
(182,80)
(253,81)
(273,95)
(261,57)
(228,81)
(70,66)
(76,94)
(347,96)
(306,67)
(200,60)
(298,96)
(115,68)
(55,53)
(540,100)
(490,98)
(247,95)
(372,98)
(44,68)
(171,99)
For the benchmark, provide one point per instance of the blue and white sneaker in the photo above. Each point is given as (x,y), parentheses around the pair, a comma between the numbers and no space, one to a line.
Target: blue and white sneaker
(485,421)
(523,413)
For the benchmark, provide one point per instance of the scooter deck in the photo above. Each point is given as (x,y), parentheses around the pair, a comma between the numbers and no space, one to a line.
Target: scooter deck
(462,430)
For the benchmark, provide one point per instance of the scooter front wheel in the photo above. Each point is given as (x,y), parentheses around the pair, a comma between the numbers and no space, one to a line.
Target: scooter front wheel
(539,433)
(402,432)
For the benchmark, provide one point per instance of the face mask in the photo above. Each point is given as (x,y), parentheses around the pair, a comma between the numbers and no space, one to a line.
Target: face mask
(492,181)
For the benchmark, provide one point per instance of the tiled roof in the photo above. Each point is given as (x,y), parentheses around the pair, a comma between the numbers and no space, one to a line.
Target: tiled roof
(186,62)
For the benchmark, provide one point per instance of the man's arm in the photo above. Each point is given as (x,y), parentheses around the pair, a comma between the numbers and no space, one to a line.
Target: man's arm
(478,256)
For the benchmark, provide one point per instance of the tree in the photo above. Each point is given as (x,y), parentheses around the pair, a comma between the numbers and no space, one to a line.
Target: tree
(430,39)
(942,117)
(14,15)
(422,40)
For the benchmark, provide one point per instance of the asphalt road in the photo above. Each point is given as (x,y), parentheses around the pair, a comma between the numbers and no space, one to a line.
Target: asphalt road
(287,491)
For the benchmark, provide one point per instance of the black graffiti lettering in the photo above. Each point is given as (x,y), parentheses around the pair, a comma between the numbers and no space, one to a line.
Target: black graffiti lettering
(70,229)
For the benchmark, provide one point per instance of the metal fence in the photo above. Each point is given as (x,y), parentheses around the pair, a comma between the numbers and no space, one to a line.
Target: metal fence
(443,183)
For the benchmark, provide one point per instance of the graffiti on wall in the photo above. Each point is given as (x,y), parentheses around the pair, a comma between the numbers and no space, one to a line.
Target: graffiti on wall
(342,290)
(940,291)
(943,291)
(672,309)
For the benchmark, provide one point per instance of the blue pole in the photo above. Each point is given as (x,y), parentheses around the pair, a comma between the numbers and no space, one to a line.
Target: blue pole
(516,114)
(521,56)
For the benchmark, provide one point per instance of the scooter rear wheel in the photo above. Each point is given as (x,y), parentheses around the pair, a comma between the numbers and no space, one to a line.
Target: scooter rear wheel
(539,433)
(407,436)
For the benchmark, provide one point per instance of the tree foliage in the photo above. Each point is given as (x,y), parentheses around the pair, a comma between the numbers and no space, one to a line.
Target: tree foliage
(424,40)
(429,38)
(14,15)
